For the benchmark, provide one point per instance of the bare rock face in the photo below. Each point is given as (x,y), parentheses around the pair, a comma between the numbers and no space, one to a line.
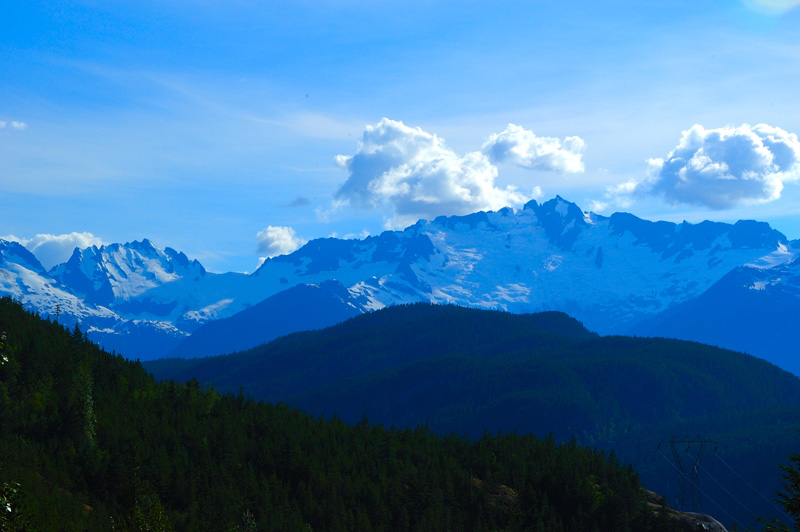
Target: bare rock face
(693,522)
(690,521)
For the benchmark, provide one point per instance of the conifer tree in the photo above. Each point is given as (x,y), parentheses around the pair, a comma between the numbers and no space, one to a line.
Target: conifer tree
(790,497)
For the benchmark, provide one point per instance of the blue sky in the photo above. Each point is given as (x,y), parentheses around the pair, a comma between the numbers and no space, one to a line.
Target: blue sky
(236,130)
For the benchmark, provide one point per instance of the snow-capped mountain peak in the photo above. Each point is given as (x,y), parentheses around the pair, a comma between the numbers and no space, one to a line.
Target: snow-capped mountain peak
(609,272)
(561,220)
(23,277)
(119,272)
(14,252)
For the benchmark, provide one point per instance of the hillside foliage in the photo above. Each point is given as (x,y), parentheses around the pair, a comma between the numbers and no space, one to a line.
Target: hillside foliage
(90,441)
(466,370)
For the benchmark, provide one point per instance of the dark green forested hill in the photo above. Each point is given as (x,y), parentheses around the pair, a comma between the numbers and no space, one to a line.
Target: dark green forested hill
(89,441)
(466,371)
(469,370)
(371,344)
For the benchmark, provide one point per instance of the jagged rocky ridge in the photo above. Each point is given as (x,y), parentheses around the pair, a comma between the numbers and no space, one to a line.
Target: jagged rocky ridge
(612,273)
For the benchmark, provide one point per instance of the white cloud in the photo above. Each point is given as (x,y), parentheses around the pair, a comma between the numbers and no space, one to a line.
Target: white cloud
(413,175)
(55,249)
(351,236)
(521,147)
(277,240)
(772,7)
(13,124)
(725,167)
(14,238)
(619,196)
(598,206)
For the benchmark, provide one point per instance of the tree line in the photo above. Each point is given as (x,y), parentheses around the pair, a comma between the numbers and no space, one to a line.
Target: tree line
(91,441)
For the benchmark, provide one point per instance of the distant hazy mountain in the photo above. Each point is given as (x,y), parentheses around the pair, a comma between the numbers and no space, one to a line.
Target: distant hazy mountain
(611,273)
(301,308)
(751,309)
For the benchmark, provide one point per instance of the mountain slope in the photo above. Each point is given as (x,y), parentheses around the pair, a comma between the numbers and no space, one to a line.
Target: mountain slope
(751,309)
(465,371)
(302,363)
(113,273)
(635,380)
(303,307)
(609,272)
(90,442)
(25,279)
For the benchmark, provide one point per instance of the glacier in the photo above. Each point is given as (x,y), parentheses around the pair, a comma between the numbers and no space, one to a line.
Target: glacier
(610,272)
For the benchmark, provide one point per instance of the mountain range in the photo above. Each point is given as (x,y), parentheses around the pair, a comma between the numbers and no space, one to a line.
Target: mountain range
(616,274)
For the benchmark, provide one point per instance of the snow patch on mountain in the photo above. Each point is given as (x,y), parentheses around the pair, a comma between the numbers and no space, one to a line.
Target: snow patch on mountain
(783,255)
(120,272)
(23,278)
(609,272)
(606,271)
(208,312)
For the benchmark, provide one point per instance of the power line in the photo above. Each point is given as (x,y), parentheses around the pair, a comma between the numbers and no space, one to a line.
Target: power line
(688,479)
(771,503)
(728,492)
(698,487)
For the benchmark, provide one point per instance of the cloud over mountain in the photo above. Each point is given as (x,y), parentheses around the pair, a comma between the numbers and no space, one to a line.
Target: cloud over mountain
(725,167)
(277,240)
(523,148)
(414,175)
(619,196)
(55,249)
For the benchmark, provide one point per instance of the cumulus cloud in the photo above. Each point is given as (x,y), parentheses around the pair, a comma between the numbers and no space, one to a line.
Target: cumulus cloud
(619,196)
(277,240)
(55,249)
(520,146)
(725,167)
(413,174)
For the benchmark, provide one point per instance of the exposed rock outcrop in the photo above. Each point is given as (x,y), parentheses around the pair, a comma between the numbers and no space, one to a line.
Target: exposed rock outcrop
(690,521)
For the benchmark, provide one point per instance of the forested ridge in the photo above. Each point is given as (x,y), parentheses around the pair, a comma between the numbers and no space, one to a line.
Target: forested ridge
(90,441)
(465,370)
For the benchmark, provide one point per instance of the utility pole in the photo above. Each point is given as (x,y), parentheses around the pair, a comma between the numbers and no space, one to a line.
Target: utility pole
(686,455)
